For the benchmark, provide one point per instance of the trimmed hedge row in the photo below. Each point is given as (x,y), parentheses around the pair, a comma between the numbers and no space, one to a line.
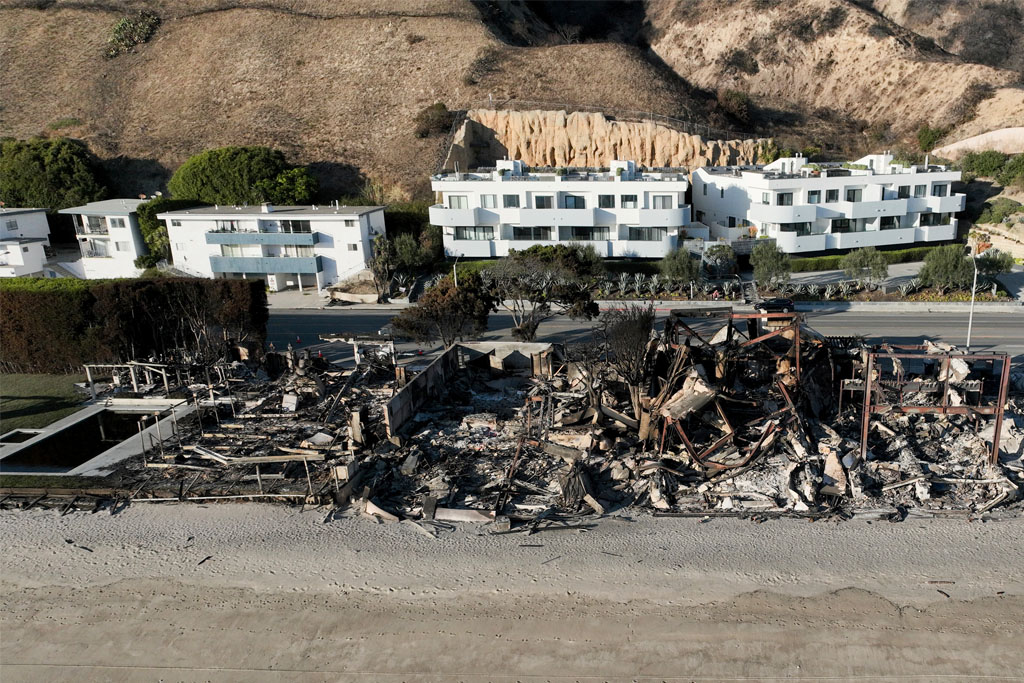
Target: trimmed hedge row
(57,325)
(803,265)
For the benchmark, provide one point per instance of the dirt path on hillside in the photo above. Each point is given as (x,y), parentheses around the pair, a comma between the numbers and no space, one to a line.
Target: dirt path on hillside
(260,593)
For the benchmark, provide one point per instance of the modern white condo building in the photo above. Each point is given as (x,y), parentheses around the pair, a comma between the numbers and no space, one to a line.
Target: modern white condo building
(288,246)
(108,234)
(817,207)
(622,212)
(24,236)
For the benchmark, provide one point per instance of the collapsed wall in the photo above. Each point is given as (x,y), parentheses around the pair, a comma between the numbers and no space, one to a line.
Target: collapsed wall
(585,139)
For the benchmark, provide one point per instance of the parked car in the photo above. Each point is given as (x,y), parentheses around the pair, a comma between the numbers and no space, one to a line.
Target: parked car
(777,305)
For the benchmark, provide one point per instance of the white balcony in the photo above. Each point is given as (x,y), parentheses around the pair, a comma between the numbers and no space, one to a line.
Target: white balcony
(557,217)
(936,233)
(872,238)
(664,218)
(888,207)
(442,215)
(768,213)
(791,243)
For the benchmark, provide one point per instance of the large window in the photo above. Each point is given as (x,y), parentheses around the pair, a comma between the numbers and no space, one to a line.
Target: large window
(784,199)
(477,232)
(919,191)
(489,201)
(732,221)
(510,201)
(800,229)
(543,202)
(903,192)
(647,234)
(663,201)
(227,226)
(119,222)
(939,190)
(842,225)
(586,233)
(889,223)
(814,196)
(295,226)
(627,201)
(928,219)
(575,202)
(700,216)
(527,232)
(854,194)
(458,201)
(831,196)
(607,201)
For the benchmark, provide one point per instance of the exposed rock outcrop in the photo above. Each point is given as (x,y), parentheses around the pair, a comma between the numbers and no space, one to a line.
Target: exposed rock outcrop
(556,138)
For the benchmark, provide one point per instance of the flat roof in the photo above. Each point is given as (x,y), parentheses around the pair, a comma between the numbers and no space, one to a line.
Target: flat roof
(107,207)
(4,211)
(315,210)
(21,240)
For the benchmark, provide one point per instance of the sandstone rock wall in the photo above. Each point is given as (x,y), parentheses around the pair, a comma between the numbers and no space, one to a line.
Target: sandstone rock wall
(555,138)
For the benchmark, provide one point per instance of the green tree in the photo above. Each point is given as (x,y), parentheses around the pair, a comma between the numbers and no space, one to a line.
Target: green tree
(575,259)
(987,163)
(447,312)
(382,265)
(52,173)
(409,255)
(154,230)
(242,175)
(865,264)
(720,260)
(994,262)
(679,265)
(946,268)
(771,264)
(928,137)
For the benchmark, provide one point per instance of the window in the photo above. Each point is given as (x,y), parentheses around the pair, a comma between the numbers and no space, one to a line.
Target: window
(542,202)
(700,216)
(801,229)
(919,190)
(784,199)
(903,192)
(939,190)
(489,201)
(530,232)
(120,246)
(232,250)
(889,222)
(478,232)
(705,189)
(457,201)
(647,234)
(607,201)
(841,225)
(348,224)
(662,201)
(831,196)
(116,222)
(721,193)
(12,225)
(627,201)
(586,233)
(227,226)
(303,226)
(353,247)
(853,195)
(814,197)
(574,202)
(732,221)
(766,197)
(510,201)
(928,219)
(175,224)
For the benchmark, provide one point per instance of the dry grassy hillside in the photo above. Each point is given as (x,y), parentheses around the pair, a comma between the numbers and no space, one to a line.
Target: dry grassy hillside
(333,83)
(828,55)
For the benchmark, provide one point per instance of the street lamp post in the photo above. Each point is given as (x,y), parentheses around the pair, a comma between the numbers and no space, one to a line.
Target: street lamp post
(455,271)
(970,317)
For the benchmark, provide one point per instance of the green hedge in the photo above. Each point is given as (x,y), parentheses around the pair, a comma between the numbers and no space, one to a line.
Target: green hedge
(831,262)
(57,325)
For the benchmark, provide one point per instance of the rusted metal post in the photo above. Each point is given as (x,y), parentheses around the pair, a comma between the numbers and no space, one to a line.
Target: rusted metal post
(796,338)
(1004,383)
(865,419)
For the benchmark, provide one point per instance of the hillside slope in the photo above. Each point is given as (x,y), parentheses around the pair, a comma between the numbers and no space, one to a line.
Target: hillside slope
(333,83)
(827,54)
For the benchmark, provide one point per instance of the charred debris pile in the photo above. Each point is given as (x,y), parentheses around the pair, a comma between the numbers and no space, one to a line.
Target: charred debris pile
(713,413)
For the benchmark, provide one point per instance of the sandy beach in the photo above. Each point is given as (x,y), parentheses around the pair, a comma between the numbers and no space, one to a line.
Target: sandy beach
(252,592)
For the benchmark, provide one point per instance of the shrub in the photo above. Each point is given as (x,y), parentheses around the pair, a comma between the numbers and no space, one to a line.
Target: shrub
(720,260)
(52,173)
(994,262)
(771,264)
(433,120)
(966,108)
(865,264)
(131,31)
(485,62)
(576,260)
(242,175)
(679,265)
(947,268)
(988,163)
(736,103)
(928,137)
(66,122)
(1012,172)
(448,312)
(998,209)
(741,60)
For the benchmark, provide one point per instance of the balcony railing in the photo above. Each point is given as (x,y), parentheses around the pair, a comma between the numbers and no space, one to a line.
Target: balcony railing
(90,253)
(91,230)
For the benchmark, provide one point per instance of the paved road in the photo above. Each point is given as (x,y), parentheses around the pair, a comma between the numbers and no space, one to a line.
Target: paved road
(1003,331)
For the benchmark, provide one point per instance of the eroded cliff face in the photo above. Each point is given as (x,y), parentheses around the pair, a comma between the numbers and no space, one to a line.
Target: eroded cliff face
(556,138)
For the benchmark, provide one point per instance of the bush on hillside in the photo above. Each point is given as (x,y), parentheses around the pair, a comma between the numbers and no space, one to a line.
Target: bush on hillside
(242,175)
(736,103)
(433,120)
(131,31)
(50,173)
(928,137)
(1012,173)
(998,209)
(986,164)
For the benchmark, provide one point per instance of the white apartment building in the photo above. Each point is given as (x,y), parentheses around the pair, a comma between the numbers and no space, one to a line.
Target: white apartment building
(24,236)
(622,212)
(817,207)
(288,246)
(108,234)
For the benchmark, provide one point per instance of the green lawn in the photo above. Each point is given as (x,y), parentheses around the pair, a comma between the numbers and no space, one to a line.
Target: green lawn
(33,401)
